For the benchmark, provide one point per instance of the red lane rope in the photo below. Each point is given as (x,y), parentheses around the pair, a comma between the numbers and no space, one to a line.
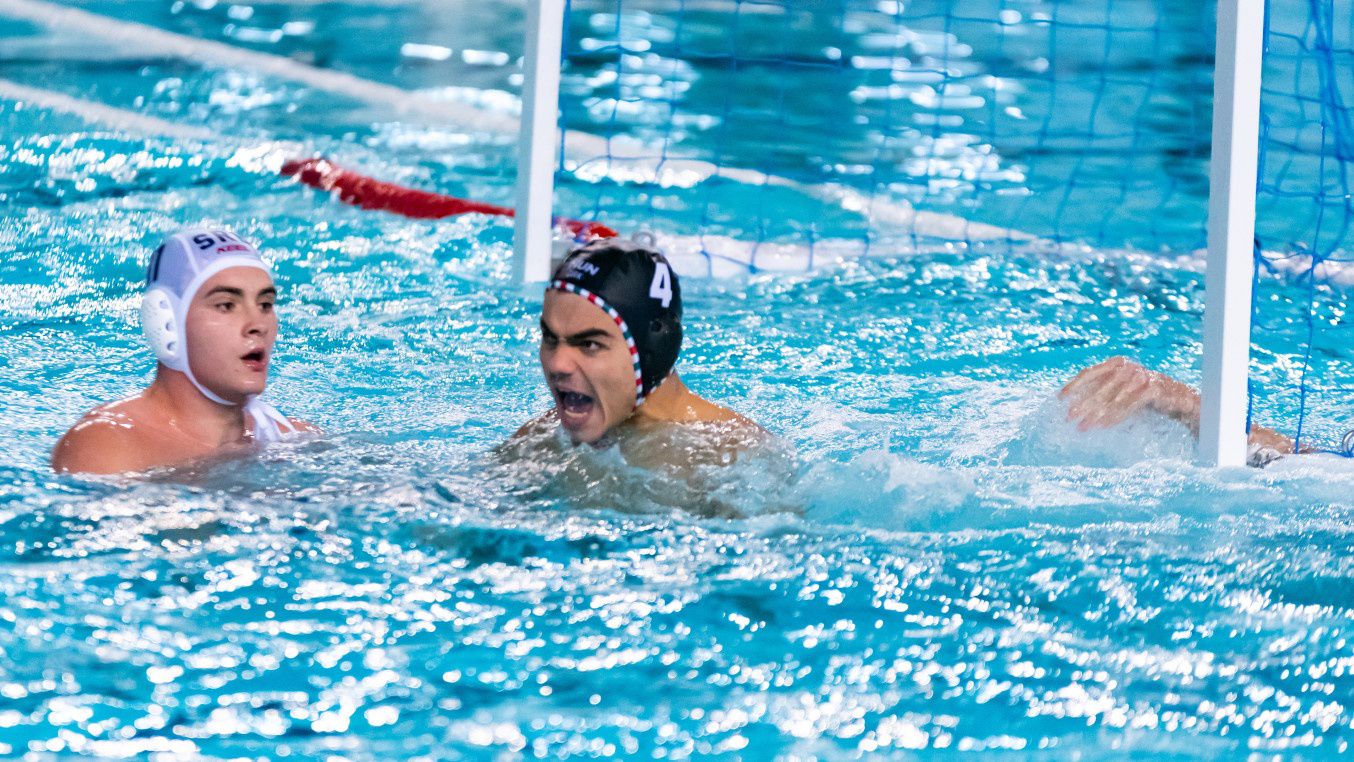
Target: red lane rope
(369,193)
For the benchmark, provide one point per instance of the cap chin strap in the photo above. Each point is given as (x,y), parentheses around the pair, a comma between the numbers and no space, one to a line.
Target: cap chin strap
(269,424)
(208,393)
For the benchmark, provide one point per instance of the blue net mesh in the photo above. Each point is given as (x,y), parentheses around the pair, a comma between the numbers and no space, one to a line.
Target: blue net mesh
(938,123)
(1301,374)
(934,120)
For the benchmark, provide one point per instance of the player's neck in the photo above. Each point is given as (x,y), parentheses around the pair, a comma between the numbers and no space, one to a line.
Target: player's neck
(670,401)
(185,408)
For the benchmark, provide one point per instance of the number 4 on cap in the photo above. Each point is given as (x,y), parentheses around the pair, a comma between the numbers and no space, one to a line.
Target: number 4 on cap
(661,288)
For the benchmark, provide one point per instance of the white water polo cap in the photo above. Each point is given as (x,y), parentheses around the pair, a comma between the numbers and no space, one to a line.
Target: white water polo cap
(178,269)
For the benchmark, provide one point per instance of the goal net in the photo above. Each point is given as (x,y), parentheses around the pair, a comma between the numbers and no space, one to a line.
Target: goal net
(778,135)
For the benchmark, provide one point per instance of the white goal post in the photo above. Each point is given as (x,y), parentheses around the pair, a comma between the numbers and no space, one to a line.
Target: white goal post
(538,140)
(1231,232)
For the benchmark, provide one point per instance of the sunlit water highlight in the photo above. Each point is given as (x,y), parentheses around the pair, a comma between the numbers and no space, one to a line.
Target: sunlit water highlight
(942,565)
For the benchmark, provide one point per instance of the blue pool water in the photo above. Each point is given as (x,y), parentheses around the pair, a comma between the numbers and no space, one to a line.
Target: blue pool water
(946,566)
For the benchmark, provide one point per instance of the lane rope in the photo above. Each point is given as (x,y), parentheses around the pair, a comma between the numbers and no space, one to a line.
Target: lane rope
(367,192)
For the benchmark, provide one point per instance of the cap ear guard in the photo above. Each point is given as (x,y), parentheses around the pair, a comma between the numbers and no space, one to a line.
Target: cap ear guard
(161,326)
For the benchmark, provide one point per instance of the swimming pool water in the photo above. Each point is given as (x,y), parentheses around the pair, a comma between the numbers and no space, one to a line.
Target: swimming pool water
(947,566)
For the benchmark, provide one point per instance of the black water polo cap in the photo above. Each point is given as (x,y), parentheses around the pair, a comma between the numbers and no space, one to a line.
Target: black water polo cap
(634,284)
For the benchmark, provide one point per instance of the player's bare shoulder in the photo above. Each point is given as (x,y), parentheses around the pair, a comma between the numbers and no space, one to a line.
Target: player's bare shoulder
(304,427)
(541,425)
(710,412)
(106,440)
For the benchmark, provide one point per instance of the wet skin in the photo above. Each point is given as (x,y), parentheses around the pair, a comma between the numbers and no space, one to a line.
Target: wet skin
(1109,393)
(591,378)
(231,328)
(587,366)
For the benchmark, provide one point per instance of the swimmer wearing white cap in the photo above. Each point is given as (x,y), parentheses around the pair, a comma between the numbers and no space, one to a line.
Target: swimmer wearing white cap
(208,314)
(610,335)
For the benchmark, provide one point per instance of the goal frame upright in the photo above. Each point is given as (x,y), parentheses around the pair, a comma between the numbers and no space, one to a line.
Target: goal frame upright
(1230,271)
(538,140)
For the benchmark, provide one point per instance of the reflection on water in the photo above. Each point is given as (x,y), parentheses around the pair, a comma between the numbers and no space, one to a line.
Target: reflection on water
(401,619)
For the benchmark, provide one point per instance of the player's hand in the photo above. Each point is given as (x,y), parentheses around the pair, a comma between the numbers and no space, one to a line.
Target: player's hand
(1109,393)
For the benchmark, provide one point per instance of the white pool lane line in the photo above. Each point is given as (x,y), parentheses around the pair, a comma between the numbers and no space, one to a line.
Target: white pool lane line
(406,104)
(152,40)
(98,113)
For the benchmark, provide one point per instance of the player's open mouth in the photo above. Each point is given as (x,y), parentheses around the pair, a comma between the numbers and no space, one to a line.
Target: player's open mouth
(574,408)
(256,359)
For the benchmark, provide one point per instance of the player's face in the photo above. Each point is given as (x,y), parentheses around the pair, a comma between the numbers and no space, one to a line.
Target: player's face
(231,327)
(587,366)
